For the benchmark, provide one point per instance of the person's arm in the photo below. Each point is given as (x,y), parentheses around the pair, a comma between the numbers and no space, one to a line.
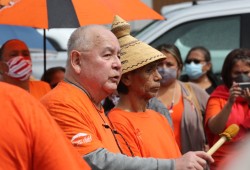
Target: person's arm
(218,122)
(101,159)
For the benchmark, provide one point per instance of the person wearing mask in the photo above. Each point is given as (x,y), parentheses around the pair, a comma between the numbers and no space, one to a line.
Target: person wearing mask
(229,104)
(186,102)
(93,72)
(143,132)
(16,68)
(30,138)
(53,76)
(198,69)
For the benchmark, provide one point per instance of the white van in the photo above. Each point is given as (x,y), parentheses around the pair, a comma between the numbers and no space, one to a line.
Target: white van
(220,26)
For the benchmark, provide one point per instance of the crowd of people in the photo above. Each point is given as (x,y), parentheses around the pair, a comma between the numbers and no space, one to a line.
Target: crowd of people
(157,118)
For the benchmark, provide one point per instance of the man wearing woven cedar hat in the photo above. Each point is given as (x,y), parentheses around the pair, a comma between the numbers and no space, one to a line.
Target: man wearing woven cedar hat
(143,132)
(93,72)
(146,132)
(16,68)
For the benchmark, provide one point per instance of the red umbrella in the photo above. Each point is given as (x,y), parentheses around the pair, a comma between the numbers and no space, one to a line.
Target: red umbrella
(71,13)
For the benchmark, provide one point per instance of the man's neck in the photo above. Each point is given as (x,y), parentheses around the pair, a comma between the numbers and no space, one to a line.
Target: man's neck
(22,84)
(132,103)
(97,103)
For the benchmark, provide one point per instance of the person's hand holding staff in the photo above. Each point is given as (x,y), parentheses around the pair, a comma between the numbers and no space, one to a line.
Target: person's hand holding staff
(227,135)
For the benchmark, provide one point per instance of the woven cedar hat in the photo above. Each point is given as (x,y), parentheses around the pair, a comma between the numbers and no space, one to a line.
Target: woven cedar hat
(134,53)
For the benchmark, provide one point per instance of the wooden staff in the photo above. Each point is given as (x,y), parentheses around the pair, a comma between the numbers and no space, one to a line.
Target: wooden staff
(227,135)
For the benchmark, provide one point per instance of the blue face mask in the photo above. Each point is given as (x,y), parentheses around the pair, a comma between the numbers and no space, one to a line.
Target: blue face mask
(194,71)
(167,74)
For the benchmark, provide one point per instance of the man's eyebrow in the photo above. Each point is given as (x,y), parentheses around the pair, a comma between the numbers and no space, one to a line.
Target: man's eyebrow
(108,49)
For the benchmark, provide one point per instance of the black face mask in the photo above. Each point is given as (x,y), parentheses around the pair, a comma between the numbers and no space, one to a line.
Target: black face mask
(241,78)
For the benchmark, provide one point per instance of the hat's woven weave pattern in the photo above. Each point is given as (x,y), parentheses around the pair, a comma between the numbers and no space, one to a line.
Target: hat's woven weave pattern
(134,53)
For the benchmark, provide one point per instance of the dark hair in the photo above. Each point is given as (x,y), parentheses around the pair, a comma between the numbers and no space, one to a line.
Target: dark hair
(174,51)
(122,88)
(48,74)
(205,52)
(234,56)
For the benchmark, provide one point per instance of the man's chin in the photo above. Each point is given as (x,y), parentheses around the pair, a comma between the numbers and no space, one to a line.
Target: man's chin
(111,89)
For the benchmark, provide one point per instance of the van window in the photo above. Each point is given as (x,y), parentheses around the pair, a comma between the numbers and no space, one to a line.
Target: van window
(219,35)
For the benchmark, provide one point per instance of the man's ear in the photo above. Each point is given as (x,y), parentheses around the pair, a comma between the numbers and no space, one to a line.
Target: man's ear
(75,61)
(3,68)
(126,79)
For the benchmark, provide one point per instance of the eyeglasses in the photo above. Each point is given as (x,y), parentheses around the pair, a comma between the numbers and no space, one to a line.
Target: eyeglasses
(115,132)
(196,61)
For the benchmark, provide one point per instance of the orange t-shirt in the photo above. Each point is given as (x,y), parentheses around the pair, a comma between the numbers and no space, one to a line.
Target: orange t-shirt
(176,118)
(30,138)
(79,119)
(148,133)
(38,88)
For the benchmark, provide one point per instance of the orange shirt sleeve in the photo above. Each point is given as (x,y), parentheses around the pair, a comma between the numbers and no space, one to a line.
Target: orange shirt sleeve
(77,127)
(214,106)
(78,118)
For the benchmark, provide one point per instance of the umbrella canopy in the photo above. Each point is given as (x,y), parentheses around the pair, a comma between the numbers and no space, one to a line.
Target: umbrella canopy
(72,13)
(30,36)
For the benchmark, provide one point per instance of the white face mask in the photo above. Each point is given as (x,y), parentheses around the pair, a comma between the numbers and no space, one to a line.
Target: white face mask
(167,74)
(19,68)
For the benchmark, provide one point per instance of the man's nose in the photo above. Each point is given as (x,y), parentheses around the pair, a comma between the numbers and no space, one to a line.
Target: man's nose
(117,63)
(158,76)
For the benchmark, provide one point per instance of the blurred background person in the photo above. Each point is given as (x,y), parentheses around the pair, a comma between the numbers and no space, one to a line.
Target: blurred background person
(30,138)
(53,76)
(16,68)
(239,160)
(229,104)
(198,69)
(186,102)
